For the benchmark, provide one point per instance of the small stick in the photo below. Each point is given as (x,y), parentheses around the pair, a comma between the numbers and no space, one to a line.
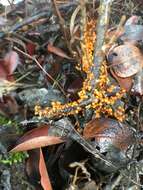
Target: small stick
(36,61)
(83,17)
(34,18)
(83,21)
(103,20)
(62,24)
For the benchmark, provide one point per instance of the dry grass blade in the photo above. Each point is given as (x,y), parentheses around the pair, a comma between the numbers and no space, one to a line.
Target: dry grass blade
(73,17)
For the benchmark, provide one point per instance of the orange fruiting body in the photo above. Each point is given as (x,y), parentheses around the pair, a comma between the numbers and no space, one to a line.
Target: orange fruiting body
(102,103)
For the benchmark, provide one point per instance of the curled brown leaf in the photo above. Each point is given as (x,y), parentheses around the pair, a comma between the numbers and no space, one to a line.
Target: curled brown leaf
(109,132)
(57,51)
(36,138)
(126,60)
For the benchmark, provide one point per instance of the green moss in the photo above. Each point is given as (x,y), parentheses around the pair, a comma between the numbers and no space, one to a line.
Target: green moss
(14,158)
(4,121)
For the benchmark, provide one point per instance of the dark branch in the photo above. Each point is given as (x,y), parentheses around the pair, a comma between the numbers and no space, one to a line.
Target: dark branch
(103,20)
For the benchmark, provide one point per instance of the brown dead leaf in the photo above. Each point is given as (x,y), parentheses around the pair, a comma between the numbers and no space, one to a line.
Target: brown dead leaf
(3,72)
(32,167)
(31,47)
(57,51)
(36,170)
(109,132)
(11,61)
(126,60)
(45,181)
(73,84)
(125,83)
(36,138)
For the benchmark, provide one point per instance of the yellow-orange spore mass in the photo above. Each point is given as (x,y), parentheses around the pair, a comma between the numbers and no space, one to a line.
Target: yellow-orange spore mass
(88,46)
(101,103)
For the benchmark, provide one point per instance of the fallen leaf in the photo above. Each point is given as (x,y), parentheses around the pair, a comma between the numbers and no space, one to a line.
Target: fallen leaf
(126,60)
(109,132)
(57,51)
(11,61)
(45,181)
(3,72)
(36,138)
(132,33)
(125,83)
(53,67)
(31,47)
(36,170)
(32,167)
(73,84)
(132,20)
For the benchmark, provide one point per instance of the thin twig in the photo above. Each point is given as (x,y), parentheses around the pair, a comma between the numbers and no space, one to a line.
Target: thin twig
(82,22)
(103,20)
(83,17)
(36,61)
(26,21)
(34,18)
(62,24)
